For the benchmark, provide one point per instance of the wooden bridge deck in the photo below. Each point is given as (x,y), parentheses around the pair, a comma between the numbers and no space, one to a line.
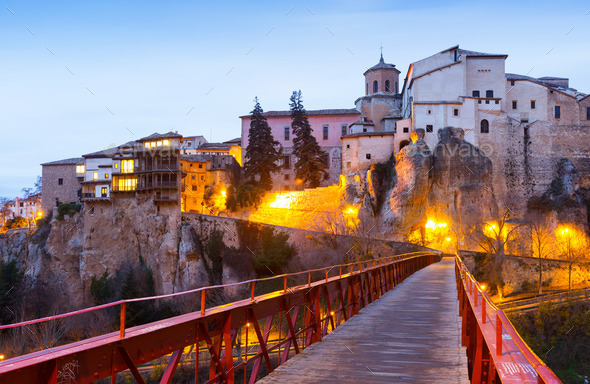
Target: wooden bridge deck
(412,334)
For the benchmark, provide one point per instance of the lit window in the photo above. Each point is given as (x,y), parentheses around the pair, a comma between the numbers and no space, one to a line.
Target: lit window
(106,175)
(159,143)
(94,175)
(166,142)
(127,184)
(127,166)
(116,165)
(147,145)
(79,169)
(152,144)
(103,191)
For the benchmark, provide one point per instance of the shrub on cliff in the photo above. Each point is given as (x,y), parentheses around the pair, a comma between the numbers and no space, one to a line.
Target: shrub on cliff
(67,209)
(17,222)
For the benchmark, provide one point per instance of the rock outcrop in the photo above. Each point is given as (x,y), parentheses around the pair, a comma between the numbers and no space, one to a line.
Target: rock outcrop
(462,190)
(406,209)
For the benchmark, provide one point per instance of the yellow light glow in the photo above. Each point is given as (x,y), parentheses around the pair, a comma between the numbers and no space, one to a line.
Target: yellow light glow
(442,225)
(94,175)
(247,324)
(430,224)
(147,145)
(483,286)
(332,313)
(159,143)
(40,214)
(166,142)
(223,193)
(2,357)
(283,200)
(298,181)
(448,239)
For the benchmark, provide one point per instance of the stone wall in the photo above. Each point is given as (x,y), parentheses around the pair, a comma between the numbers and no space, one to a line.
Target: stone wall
(52,190)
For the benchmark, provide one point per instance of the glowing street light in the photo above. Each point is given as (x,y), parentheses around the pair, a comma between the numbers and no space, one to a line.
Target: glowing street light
(223,193)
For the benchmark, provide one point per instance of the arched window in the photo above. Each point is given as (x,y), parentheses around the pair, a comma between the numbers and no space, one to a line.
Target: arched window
(387,89)
(485,126)
(375,86)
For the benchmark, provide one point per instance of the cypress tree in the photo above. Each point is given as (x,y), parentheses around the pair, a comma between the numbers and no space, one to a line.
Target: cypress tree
(310,166)
(262,152)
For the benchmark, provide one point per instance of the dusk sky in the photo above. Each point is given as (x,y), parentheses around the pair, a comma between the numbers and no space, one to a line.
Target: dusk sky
(77,77)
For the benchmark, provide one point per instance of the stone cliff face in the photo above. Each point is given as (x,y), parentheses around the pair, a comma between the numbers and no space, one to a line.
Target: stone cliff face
(406,209)
(453,184)
(461,187)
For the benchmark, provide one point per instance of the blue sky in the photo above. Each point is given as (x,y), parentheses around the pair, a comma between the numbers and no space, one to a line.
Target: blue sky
(76,77)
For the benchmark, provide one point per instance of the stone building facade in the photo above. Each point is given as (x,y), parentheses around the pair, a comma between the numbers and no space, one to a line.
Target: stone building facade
(60,183)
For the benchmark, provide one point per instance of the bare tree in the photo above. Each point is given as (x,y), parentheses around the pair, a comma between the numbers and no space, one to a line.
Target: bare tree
(541,245)
(572,245)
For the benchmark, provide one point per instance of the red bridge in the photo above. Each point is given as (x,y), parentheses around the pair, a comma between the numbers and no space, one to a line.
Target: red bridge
(395,319)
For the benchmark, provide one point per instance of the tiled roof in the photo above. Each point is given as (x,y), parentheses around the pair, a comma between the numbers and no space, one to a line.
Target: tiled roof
(196,158)
(382,65)
(382,133)
(546,81)
(466,52)
(315,112)
(236,140)
(156,135)
(214,146)
(73,160)
(109,152)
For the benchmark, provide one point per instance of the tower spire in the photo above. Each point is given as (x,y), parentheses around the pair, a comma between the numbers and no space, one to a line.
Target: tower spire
(381,59)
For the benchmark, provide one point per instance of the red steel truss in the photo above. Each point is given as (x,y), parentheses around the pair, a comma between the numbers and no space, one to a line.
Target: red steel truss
(310,311)
(495,351)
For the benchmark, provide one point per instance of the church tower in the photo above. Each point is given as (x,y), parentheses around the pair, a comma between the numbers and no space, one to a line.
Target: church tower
(381,104)
(382,78)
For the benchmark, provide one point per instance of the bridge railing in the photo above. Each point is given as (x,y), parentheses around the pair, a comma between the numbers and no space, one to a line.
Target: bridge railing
(296,316)
(495,351)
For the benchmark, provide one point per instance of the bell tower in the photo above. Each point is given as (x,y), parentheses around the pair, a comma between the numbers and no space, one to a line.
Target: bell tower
(382,78)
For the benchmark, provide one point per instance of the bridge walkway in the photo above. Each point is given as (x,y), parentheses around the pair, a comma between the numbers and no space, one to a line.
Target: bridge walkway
(412,334)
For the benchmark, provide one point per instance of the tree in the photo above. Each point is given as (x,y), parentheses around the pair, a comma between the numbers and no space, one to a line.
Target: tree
(38,185)
(541,245)
(310,165)
(572,245)
(5,212)
(263,150)
(493,237)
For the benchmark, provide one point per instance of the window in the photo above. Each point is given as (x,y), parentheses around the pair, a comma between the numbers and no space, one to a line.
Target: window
(194,188)
(60,181)
(94,175)
(106,175)
(287,162)
(429,128)
(326,160)
(485,126)
(189,144)
(287,177)
(429,111)
(406,129)
(475,93)
(344,129)
(387,86)
(192,177)
(127,166)
(348,164)
(126,184)
(514,104)
(202,178)
(116,165)
(325,130)
(497,101)
(347,146)
(456,112)
(79,169)
(512,83)
(200,166)
(557,111)
(375,86)
(587,113)
(456,55)
(533,104)
(147,145)
(396,87)
(166,142)
(159,143)
(287,133)
(368,155)
(489,93)
(367,89)
(22,204)
(103,192)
